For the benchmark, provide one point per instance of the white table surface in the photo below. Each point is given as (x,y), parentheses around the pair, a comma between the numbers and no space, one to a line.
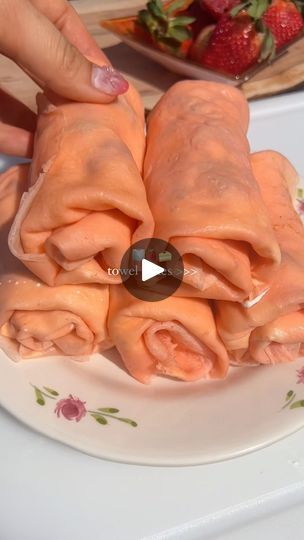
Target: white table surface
(49,491)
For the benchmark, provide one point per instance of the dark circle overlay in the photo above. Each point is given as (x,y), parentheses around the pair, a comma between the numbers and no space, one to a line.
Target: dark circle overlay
(158,252)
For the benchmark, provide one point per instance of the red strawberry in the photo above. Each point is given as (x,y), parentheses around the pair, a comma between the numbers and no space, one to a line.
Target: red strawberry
(167,29)
(182,50)
(234,45)
(284,20)
(143,35)
(218,8)
(202,18)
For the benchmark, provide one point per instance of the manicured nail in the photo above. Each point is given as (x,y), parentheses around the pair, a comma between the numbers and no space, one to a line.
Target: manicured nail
(108,80)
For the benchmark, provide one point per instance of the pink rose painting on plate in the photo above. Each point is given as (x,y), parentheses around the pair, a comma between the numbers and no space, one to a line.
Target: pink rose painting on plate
(300,373)
(71,408)
(74,409)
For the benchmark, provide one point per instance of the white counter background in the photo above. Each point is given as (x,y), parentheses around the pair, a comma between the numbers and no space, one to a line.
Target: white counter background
(49,491)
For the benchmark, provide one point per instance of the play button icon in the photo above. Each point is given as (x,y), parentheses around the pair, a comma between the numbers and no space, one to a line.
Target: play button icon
(151,269)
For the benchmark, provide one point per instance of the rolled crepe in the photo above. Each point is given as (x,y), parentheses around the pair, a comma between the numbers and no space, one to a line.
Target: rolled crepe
(264,330)
(87,201)
(202,192)
(279,341)
(176,337)
(36,319)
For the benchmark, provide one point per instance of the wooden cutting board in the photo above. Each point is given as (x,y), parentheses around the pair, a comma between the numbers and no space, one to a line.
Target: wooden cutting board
(150,78)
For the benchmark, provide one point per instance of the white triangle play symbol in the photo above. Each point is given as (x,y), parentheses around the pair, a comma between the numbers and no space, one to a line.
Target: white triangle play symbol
(150,270)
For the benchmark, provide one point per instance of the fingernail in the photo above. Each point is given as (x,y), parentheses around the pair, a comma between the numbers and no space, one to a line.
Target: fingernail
(108,80)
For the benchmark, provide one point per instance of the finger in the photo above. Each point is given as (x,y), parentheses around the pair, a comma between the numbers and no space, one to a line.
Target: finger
(67,20)
(15,141)
(38,46)
(16,113)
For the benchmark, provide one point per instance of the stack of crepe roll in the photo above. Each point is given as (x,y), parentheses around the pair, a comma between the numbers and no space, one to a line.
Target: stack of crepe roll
(98,182)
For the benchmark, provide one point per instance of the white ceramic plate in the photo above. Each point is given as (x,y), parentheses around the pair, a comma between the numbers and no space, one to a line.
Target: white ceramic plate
(176,423)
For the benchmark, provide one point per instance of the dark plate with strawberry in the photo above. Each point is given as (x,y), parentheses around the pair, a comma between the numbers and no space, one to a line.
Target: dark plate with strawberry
(219,40)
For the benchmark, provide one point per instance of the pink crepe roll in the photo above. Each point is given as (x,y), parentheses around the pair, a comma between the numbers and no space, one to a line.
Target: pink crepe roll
(38,320)
(175,337)
(267,324)
(87,202)
(203,194)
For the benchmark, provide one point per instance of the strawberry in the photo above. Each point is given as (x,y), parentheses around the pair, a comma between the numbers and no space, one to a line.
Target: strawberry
(218,8)
(202,18)
(234,45)
(200,42)
(167,30)
(284,20)
(142,34)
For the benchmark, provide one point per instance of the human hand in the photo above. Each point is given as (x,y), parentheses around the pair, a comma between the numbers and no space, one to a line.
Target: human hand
(48,41)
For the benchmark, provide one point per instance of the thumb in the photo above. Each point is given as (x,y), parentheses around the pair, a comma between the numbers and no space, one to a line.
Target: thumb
(33,42)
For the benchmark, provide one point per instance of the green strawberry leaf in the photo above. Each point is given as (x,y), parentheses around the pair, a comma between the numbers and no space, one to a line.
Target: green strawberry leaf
(236,10)
(175,6)
(268,46)
(289,395)
(262,7)
(145,18)
(179,33)
(257,8)
(181,21)
(155,7)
